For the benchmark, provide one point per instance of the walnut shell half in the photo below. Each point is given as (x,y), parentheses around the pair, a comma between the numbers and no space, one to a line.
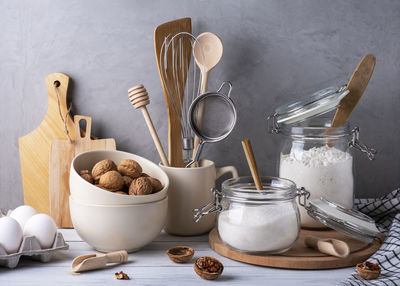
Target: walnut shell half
(180,254)
(111,181)
(208,267)
(130,168)
(103,167)
(368,270)
(140,186)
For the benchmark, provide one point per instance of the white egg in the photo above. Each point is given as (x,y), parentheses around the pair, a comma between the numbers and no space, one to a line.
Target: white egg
(43,228)
(10,234)
(22,213)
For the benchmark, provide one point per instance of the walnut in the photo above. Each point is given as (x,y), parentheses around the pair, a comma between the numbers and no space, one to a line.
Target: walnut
(140,186)
(120,192)
(208,267)
(155,184)
(103,167)
(180,254)
(127,181)
(130,168)
(144,175)
(111,181)
(86,175)
(368,270)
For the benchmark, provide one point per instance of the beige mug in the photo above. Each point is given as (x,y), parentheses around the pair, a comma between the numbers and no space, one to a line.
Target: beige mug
(190,188)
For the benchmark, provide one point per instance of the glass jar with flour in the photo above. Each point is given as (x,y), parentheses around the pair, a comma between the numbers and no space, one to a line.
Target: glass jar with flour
(314,154)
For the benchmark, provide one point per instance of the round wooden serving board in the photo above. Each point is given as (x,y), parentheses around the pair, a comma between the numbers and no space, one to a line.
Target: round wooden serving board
(300,256)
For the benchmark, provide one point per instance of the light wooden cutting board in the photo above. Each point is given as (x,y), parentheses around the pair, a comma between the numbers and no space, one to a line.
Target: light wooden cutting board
(62,153)
(34,148)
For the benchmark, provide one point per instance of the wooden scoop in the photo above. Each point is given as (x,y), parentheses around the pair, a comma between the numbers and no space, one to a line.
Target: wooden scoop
(330,246)
(139,98)
(252,163)
(357,85)
(97,261)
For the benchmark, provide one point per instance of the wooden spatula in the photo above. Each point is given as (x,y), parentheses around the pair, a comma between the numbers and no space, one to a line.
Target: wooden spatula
(34,148)
(357,85)
(62,153)
(174,130)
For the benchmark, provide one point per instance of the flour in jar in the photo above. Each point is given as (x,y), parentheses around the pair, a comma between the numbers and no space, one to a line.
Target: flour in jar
(324,172)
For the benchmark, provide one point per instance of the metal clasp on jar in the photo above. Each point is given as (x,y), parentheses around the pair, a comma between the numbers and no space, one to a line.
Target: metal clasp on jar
(213,206)
(303,195)
(355,143)
(273,126)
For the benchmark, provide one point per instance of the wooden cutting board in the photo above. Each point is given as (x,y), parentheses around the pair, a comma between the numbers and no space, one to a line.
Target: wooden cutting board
(174,128)
(34,148)
(300,256)
(62,153)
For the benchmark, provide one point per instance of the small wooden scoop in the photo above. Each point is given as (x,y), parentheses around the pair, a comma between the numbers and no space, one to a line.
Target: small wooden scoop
(97,261)
(330,246)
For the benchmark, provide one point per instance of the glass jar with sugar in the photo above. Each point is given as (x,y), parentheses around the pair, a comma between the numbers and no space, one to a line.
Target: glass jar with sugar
(314,154)
(267,221)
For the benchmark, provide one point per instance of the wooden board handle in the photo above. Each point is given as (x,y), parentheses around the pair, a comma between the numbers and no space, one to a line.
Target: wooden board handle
(88,131)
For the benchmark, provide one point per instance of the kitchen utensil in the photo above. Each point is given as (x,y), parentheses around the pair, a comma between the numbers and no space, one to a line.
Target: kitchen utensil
(218,117)
(87,193)
(185,84)
(300,256)
(30,247)
(115,227)
(61,154)
(252,163)
(330,246)
(174,131)
(139,98)
(34,148)
(210,53)
(356,85)
(190,188)
(97,261)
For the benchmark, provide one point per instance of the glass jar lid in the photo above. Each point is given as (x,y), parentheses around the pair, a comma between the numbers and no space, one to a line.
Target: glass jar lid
(318,103)
(350,222)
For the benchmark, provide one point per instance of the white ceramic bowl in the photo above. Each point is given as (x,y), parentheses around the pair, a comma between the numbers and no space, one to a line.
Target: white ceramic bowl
(85,192)
(111,228)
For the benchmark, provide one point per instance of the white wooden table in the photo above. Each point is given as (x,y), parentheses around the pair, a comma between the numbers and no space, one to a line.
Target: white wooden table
(151,266)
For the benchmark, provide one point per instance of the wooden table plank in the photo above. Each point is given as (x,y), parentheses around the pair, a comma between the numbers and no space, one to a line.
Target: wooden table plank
(151,266)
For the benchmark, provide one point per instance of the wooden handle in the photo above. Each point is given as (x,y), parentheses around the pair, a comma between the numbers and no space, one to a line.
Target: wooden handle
(252,163)
(117,256)
(88,131)
(330,246)
(139,98)
(357,85)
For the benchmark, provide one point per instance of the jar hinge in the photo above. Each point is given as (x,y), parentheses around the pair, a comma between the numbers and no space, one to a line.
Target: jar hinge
(272,124)
(355,143)
(303,196)
(211,207)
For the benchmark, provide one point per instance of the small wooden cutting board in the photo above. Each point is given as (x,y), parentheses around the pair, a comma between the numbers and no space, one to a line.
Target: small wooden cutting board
(34,148)
(62,153)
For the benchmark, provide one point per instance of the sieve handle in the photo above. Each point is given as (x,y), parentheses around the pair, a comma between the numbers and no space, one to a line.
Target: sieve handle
(198,152)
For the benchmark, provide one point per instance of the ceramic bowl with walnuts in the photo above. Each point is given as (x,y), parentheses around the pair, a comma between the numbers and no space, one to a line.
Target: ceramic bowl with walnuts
(108,177)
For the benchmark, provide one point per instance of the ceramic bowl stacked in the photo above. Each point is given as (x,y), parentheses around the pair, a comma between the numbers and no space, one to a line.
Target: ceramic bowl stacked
(109,221)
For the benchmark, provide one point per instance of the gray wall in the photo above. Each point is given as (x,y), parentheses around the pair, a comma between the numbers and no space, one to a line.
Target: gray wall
(273,52)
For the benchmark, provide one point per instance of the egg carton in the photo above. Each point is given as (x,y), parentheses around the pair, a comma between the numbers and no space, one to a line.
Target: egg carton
(30,247)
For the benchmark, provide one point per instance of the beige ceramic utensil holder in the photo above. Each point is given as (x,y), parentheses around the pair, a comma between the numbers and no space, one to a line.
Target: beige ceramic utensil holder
(190,188)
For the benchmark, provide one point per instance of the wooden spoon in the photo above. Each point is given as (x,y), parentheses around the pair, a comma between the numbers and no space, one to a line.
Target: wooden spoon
(252,163)
(97,261)
(330,246)
(213,49)
(357,85)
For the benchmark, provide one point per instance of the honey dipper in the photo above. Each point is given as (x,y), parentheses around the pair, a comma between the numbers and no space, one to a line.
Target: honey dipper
(139,98)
